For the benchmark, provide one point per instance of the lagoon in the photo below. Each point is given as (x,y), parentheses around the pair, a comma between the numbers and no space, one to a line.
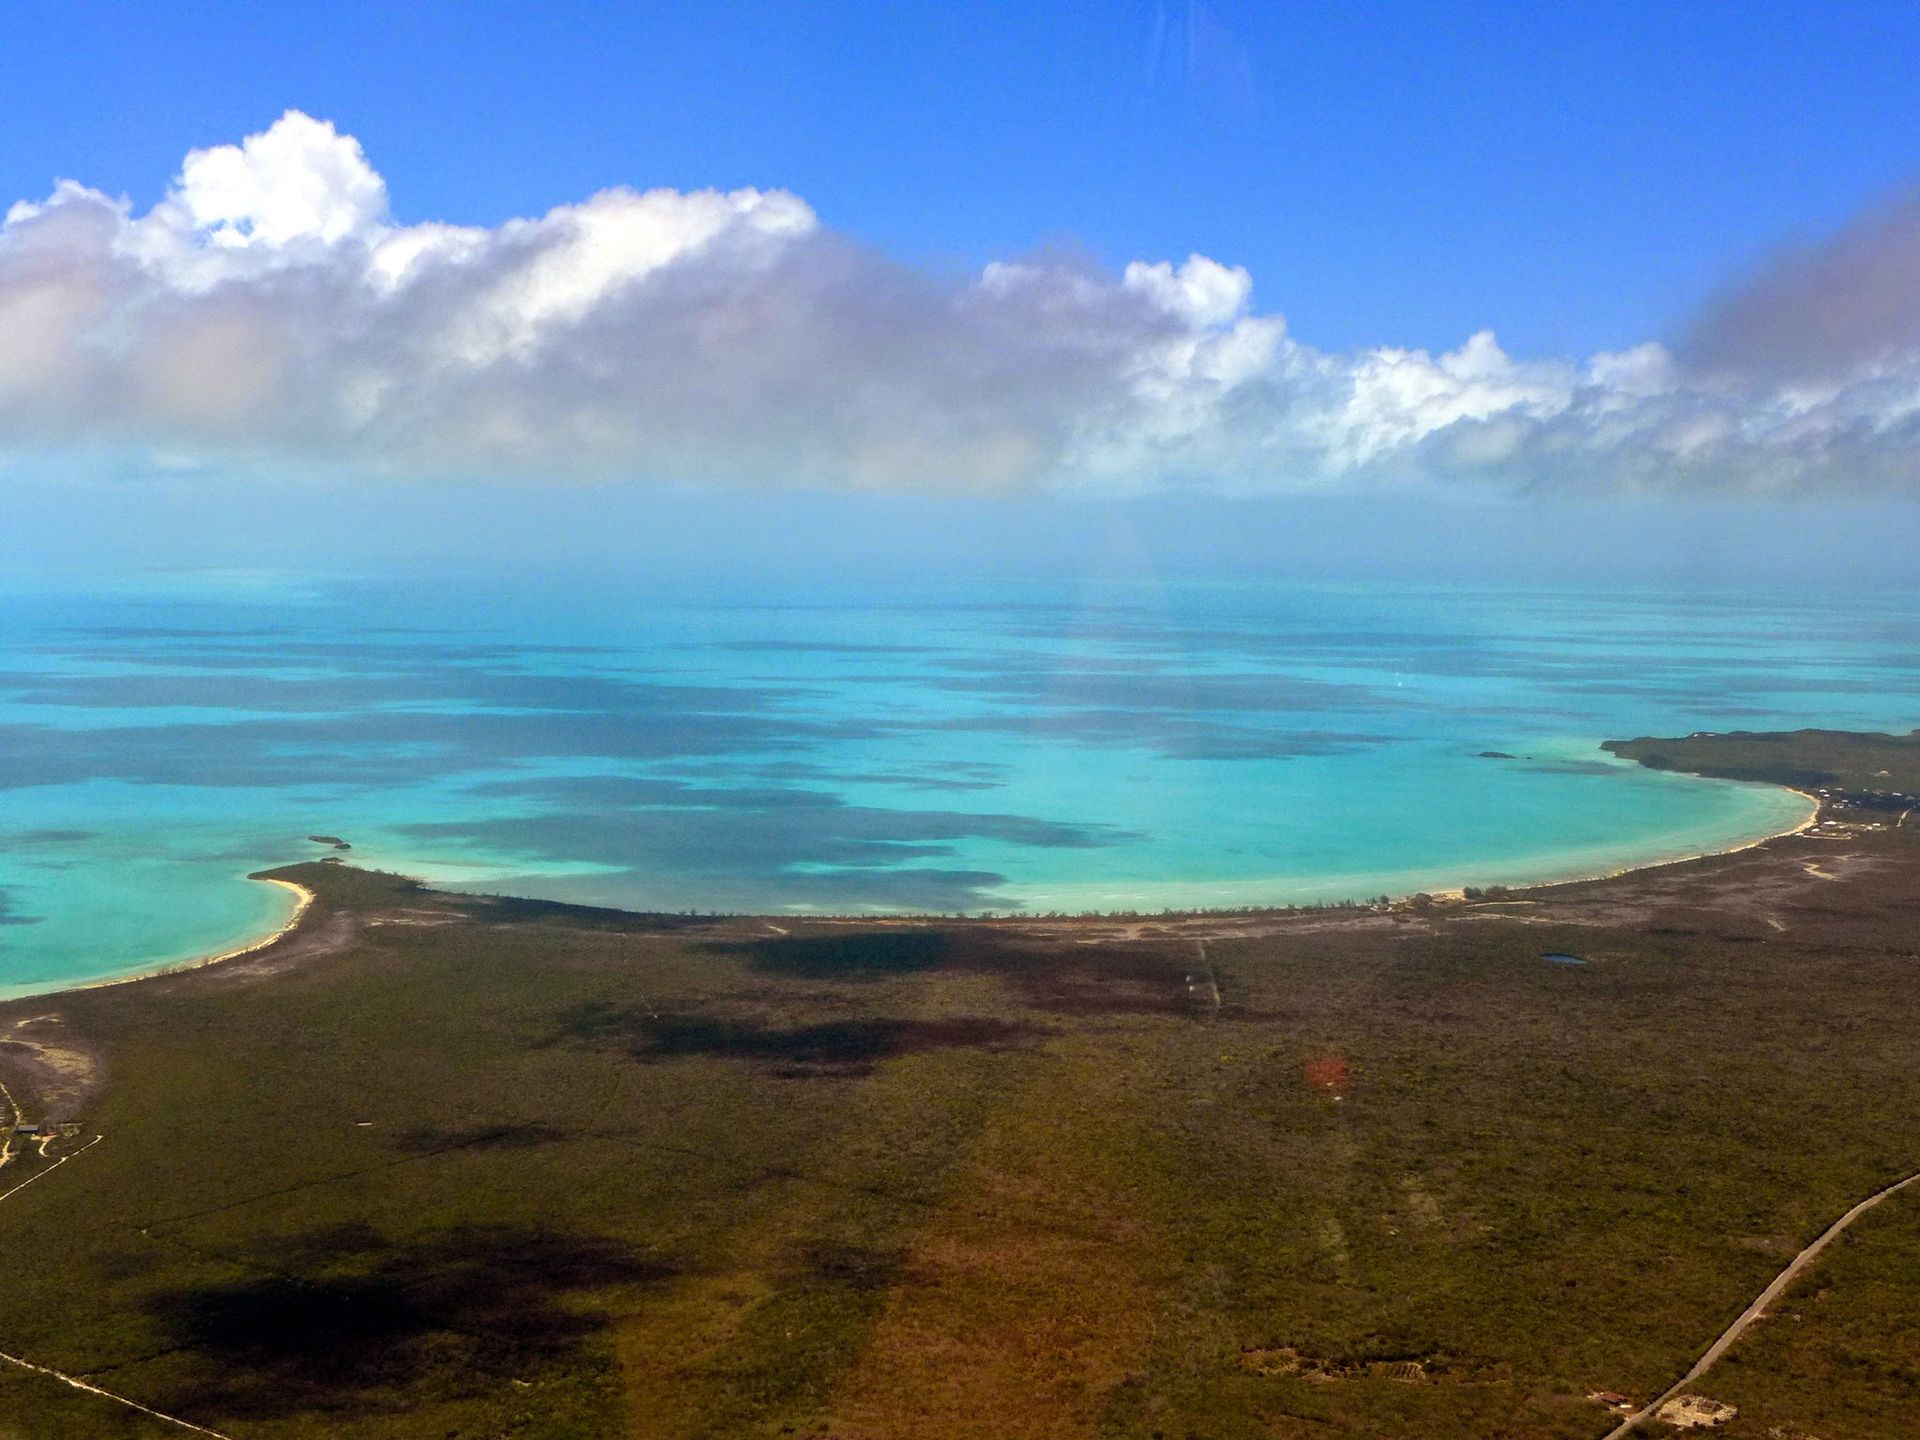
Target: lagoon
(952,748)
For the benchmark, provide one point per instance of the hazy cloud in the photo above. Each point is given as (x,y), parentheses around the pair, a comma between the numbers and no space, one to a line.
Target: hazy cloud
(1849,303)
(271,308)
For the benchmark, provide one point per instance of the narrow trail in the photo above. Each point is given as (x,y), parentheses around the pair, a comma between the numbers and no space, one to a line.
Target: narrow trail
(42,1174)
(6,1144)
(1758,1308)
(73,1380)
(109,1395)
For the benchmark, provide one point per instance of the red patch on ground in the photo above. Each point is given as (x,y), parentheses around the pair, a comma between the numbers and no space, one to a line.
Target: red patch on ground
(1328,1074)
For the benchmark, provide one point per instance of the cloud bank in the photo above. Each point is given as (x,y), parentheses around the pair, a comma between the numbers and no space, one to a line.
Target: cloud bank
(1849,306)
(271,308)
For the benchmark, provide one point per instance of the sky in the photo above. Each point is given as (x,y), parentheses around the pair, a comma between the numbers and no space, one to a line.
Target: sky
(1232,267)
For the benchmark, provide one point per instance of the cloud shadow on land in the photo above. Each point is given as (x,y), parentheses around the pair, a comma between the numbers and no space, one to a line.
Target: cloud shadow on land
(821,1049)
(432,1140)
(331,1317)
(1061,979)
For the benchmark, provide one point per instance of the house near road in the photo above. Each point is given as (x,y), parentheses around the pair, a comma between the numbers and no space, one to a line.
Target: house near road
(1689,1412)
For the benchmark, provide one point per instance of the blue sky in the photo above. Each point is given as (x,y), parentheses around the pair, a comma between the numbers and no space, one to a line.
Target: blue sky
(944,251)
(1574,175)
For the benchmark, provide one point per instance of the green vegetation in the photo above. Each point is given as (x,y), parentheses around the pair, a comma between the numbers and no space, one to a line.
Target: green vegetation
(1841,1356)
(1809,759)
(446,1166)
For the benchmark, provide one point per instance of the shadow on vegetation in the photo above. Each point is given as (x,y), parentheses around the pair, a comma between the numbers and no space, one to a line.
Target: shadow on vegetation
(432,1139)
(854,956)
(1064,979)
(339,1315)
(859,1268)
(831,1047)
(514,908)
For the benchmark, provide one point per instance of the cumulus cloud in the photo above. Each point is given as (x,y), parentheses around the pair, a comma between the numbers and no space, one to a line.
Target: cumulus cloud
(273,307)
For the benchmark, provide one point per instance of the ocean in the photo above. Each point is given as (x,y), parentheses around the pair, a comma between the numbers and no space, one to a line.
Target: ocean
(984,747)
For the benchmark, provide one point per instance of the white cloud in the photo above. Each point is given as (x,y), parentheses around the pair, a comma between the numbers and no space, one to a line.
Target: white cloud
(1202,291)
(299,181)
(271,306)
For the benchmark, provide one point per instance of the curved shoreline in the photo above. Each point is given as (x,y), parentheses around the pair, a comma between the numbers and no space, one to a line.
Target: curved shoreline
(302,903)
(304,899)
(1449,888)
(1811,819)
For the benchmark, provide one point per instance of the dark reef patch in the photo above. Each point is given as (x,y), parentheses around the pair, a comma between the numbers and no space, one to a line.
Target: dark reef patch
(764,850)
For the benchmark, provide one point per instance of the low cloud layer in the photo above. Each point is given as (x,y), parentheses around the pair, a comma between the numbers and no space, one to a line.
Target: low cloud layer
(271,309)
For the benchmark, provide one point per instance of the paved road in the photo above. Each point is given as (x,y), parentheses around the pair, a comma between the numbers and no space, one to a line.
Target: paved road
(1759,1307)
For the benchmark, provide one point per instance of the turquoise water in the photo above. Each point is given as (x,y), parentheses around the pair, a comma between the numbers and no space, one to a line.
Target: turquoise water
(990,747)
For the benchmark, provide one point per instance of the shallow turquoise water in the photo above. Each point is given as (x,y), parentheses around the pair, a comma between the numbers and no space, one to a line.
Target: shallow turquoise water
(972,748)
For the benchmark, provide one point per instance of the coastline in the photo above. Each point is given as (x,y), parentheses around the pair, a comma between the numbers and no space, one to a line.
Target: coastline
(302,904)
(304,899)
(1807,822)
(1450,884)
(388,1041)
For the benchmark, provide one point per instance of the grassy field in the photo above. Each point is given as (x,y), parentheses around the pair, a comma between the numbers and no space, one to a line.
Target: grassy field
(445,1167)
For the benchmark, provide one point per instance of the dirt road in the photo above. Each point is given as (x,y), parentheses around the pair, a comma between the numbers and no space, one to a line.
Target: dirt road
(1758,1308)
(73,1380)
